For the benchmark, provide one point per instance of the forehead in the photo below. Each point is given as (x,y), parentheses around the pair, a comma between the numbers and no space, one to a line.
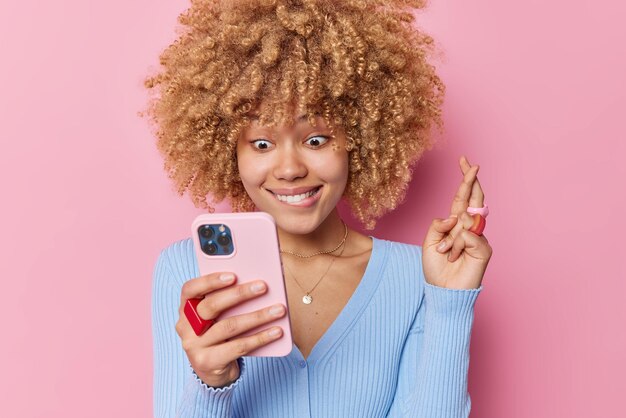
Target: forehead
(297,121)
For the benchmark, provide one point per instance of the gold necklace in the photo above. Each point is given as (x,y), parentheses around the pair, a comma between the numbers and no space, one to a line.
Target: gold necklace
(307,298)
(345,234)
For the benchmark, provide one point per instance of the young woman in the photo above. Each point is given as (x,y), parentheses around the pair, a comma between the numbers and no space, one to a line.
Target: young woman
(287,107)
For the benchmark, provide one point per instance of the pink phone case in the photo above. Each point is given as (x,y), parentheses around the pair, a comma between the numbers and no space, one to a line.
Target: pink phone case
(255,256)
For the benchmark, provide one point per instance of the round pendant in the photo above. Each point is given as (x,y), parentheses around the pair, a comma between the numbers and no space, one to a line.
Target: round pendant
(307,299)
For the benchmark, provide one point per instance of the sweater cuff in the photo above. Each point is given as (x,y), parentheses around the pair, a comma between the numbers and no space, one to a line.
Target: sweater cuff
(446,302)
(216,402)
(229,388)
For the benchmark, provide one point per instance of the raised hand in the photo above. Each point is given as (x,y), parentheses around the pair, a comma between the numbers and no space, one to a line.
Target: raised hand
(452,256)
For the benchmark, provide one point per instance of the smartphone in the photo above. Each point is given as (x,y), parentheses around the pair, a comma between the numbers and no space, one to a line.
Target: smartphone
(247,245)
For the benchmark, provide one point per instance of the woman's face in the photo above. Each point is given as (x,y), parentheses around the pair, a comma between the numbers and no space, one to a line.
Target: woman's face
(296,174)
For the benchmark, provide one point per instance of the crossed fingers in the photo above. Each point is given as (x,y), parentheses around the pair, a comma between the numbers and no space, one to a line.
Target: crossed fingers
(469,193)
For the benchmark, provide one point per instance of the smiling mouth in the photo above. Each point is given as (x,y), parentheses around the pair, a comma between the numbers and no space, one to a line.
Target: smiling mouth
(296,198)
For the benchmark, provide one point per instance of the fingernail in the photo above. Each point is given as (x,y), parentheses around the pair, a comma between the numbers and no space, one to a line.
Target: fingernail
(441,246)
(227,277)
(274,332)
(277,310)
(257,287)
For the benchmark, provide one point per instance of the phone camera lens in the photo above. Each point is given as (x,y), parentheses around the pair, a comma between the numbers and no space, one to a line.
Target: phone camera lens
(206,231)
(223,240)
(209,248)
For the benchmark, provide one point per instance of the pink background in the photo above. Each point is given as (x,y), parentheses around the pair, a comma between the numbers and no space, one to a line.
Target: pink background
(536,96)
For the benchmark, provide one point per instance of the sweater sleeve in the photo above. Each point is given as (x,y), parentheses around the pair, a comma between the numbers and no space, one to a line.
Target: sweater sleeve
(432,379)
(177,390)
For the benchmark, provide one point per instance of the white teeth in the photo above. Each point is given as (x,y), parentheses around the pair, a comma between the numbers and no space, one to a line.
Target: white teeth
(295,198)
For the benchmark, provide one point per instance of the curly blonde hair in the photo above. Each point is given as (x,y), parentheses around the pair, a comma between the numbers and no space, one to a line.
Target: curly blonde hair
(361,64)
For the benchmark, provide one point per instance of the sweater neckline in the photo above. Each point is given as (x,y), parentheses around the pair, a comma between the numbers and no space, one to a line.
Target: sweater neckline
(353,309)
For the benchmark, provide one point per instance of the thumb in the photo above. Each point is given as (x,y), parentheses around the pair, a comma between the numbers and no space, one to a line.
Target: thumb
(439,228)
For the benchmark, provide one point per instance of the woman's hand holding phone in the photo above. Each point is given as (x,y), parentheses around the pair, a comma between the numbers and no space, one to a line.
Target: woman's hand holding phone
(213,355)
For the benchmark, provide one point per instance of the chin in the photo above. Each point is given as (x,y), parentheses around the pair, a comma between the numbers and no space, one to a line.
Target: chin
(296,226)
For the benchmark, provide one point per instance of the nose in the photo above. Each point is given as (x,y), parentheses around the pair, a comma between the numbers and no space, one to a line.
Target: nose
(289,165)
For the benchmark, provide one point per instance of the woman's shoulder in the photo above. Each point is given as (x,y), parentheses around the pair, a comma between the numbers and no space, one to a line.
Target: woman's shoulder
(176,262)
(401,278)
(399,250)
(177,249)
(399,258)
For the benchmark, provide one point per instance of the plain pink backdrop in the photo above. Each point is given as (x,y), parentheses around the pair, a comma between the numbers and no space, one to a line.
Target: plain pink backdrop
(535,95)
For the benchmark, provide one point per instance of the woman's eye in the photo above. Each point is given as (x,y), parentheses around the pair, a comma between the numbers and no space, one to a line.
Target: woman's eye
(317,141)
(261,144)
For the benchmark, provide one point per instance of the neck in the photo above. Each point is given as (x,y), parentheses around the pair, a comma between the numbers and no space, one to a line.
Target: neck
(327,235)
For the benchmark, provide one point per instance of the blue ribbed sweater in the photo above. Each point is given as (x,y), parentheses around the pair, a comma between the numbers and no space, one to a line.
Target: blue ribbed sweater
(399,348)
